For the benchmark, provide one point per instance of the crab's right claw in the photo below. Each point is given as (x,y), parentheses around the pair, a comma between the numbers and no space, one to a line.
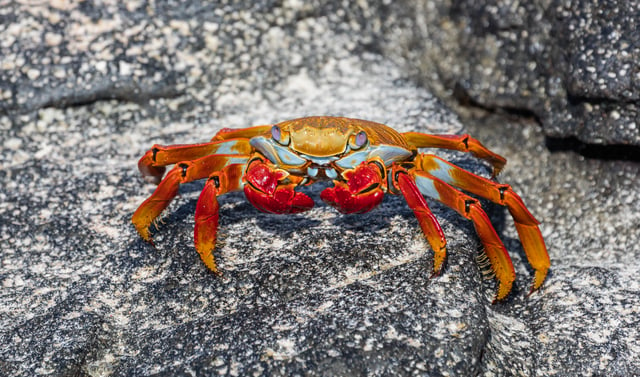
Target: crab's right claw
(265,189)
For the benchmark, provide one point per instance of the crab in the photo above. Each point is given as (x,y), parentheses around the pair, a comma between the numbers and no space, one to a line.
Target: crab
(365,160)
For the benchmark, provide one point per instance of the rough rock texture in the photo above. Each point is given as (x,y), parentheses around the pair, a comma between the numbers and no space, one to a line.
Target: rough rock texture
(587,323)
(86,89)
(575,65)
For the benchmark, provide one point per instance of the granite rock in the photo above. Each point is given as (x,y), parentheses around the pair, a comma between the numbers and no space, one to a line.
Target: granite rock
(587,321)
(84,295)
(574,65)
(92,86)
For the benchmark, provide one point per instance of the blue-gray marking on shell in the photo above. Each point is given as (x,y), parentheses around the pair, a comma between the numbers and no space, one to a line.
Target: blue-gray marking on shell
(388,153)
(237,160)
(276,153)
(324,161)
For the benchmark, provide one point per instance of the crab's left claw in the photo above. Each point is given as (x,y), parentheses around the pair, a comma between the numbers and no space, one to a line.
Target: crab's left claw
(361,193)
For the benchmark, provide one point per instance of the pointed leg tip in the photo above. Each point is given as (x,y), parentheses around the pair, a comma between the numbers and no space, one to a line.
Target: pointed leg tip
(145,235)
(497,300)
(436,270)
(504,289)
(499,296)
(538,280)
(438,262)
(534,288)
(206,255)
(147,238)
(212,266)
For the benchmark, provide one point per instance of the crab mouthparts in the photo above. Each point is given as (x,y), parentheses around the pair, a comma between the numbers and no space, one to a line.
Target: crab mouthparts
(321,171)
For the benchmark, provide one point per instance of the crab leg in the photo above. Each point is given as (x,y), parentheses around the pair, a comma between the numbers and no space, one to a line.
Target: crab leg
(249,132)
(428,222)
(206,228)
(152,164)
(470,208)
(183,172)
(463,143)
(526,224)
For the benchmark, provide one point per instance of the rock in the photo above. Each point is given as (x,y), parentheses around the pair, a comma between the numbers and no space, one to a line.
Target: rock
(91,87)
(573,65)
(587,320)
(321,291)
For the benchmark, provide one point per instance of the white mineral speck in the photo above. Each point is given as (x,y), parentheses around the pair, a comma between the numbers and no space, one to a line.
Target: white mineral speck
(52,39)
(101,66)
(124,68)
(33,74)
(59,73)
(13,143)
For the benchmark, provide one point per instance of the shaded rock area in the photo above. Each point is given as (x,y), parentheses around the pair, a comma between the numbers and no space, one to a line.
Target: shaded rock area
(85,89)
(574,65)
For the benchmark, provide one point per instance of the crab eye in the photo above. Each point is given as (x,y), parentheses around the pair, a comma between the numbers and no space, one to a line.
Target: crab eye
(279,136)
(276,134)
(360,140)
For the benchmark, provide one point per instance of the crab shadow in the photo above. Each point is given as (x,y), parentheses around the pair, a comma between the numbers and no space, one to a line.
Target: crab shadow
(286,225)
(235,208)
(322,219)
(322,240)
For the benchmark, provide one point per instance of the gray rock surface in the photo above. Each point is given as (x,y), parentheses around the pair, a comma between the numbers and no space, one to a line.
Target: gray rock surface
(86,89)
(575,65)
(587,323)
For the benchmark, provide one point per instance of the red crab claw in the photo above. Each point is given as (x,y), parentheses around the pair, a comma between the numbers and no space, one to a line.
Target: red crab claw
(264,190)
(361,193)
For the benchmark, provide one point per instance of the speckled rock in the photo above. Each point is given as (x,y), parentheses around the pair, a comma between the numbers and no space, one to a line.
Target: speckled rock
(90,87)
(587,323)
(574,65)
(317,293)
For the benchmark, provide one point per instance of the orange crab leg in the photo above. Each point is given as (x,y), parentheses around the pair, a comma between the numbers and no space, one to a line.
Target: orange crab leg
(428,222)
(206,228)
(526,225)
(463,143)
(183,172)
(470,208)
(152,164)
(249,132)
